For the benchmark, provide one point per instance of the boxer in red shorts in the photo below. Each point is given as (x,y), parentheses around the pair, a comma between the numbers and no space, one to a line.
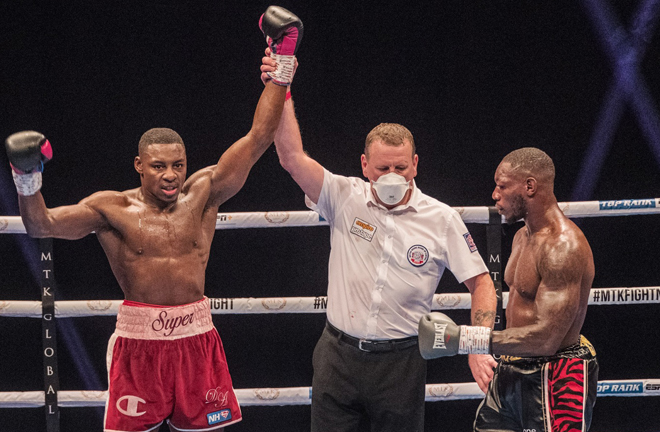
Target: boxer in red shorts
(152,340)
(165,362)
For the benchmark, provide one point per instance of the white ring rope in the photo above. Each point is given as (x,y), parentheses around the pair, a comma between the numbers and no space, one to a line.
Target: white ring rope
(479,215)
(221,306)
(302,395)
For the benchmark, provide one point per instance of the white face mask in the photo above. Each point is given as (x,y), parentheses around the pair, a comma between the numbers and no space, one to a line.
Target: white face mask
(391,188)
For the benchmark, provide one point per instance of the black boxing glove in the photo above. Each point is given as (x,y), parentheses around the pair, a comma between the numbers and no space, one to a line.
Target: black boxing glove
(27,152)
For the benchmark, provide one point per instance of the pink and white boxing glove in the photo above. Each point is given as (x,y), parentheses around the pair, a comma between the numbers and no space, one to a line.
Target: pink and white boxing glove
(283,31)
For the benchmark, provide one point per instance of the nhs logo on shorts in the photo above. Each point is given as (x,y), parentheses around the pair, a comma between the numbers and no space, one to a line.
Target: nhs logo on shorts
(218,416)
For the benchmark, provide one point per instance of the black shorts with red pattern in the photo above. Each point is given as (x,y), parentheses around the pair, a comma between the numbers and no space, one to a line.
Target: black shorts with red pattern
(542,394)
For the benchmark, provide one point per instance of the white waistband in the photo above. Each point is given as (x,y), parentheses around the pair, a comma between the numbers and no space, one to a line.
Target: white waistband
(170,322)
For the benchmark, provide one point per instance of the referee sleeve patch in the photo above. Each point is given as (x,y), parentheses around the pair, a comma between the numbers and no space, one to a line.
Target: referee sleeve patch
(468,239)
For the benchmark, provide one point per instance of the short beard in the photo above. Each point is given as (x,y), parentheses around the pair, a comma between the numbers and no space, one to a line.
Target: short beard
(518,210)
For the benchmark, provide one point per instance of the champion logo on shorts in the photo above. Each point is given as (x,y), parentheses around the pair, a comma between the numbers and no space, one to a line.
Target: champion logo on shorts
(218,416)
(470,242)
(131,406)
(418,255)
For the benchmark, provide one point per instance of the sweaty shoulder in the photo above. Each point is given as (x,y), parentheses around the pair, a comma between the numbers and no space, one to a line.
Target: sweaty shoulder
(565,237)
(520,234)
(202,176)
(199,183)
(104,199)
(566,252)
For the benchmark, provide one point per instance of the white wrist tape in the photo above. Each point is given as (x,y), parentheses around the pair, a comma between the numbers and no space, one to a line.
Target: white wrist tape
(27,184)
(283,75)
(474,340)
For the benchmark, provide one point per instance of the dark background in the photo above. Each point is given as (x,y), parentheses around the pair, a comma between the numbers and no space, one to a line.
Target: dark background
(472,80)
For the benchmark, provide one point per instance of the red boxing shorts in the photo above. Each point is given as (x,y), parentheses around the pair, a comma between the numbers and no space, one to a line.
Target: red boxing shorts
(167,362)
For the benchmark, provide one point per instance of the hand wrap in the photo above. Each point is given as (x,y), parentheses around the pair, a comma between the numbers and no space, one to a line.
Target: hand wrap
(474,340)
(27,184)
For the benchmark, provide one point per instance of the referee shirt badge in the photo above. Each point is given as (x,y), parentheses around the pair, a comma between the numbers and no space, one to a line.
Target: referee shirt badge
(363,229)
(418,255)
(470,242)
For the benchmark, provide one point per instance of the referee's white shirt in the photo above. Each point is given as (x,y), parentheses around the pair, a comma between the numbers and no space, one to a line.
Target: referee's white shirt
(385,265)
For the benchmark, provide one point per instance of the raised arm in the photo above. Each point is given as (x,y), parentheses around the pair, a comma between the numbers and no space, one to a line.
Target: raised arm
(27,152)
(303,169)
(231,172)
(283,31)
(66,222)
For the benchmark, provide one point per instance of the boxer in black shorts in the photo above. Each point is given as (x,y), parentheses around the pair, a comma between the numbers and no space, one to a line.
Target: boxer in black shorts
(542,393)
(546,380)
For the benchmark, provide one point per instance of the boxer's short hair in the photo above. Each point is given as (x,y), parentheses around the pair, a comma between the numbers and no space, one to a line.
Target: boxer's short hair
(531,161)
(159,136)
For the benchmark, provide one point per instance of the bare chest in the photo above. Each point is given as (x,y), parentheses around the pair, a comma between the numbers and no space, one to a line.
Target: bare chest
(148,232)
(521,273)
(163,231)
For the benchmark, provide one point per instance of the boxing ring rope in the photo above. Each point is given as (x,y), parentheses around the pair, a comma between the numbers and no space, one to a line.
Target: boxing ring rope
(251,305)
(302,395)
(478,215)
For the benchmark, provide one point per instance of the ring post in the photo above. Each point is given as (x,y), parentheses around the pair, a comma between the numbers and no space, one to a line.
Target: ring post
(494,253)
(49,335)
